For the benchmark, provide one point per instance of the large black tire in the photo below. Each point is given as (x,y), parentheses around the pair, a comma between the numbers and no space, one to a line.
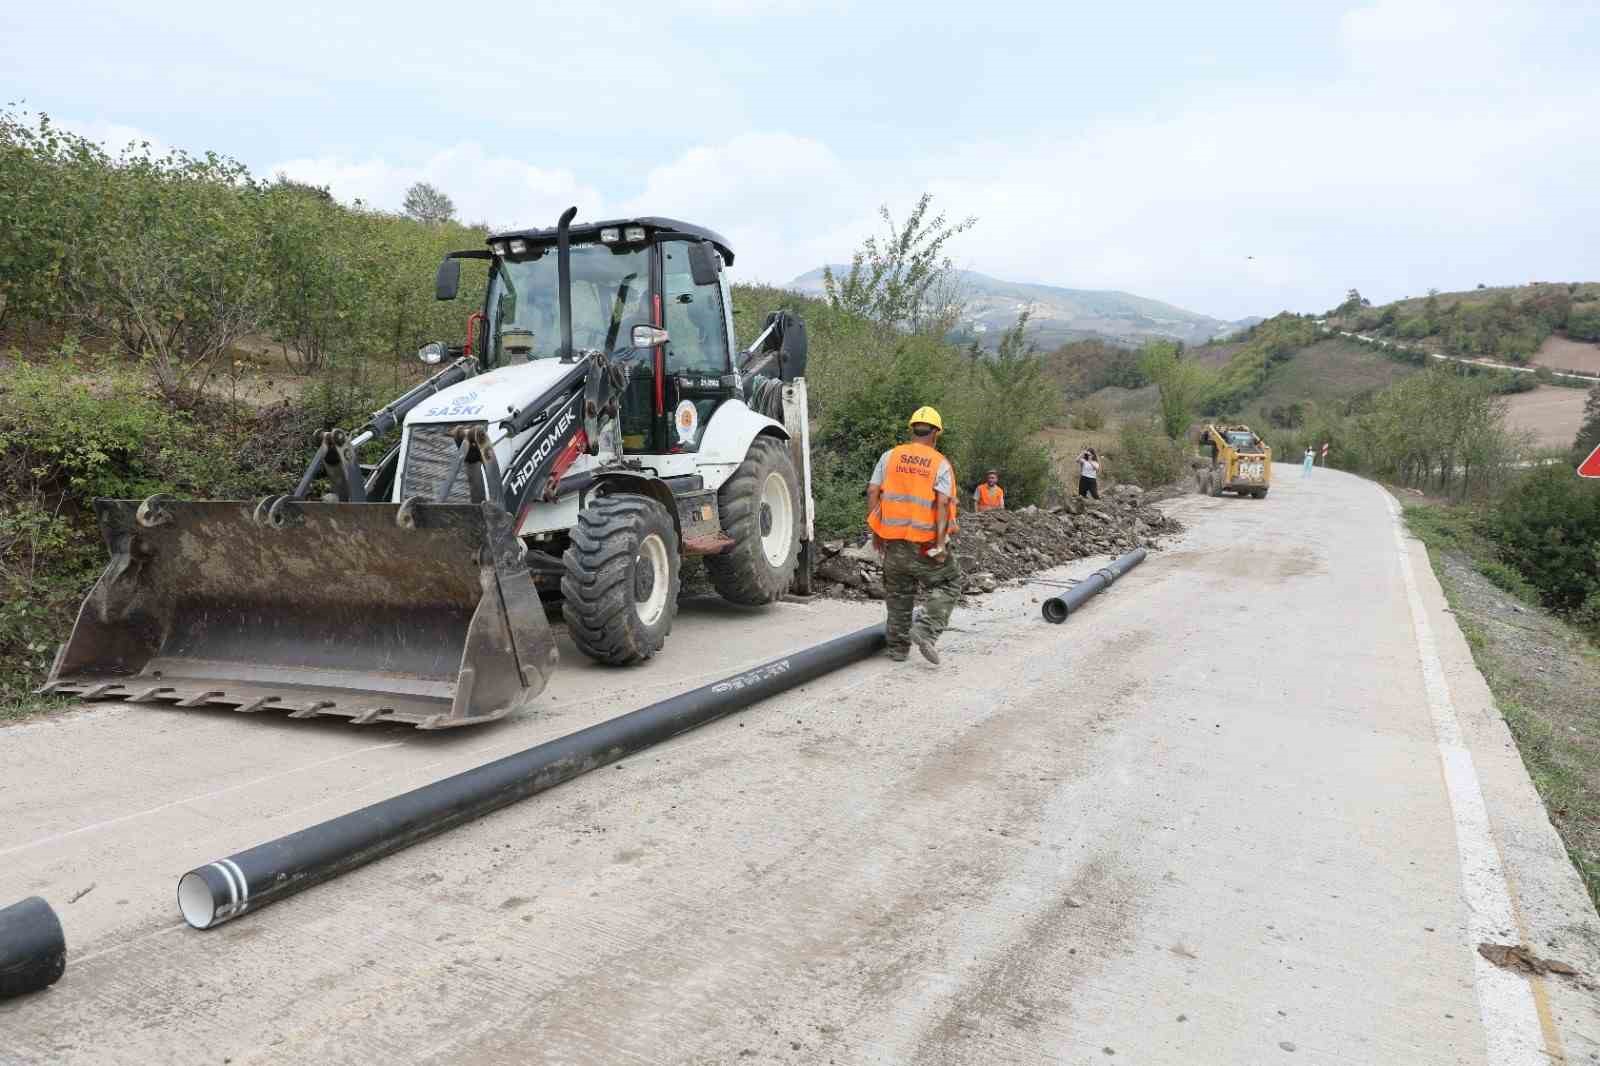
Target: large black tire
(765,530)
(617,604)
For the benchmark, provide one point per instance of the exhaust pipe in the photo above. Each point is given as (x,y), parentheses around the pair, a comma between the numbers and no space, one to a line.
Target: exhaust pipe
(33,951)
(249,880)
(1057,608)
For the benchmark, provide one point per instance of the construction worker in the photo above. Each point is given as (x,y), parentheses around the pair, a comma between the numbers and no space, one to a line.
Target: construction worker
(911,508)
(989,496)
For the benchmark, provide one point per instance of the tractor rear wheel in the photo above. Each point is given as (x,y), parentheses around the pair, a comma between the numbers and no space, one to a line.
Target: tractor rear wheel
(620,589)
(760,510)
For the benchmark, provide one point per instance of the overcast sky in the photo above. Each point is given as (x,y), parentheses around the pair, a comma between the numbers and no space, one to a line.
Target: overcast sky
(1232,158)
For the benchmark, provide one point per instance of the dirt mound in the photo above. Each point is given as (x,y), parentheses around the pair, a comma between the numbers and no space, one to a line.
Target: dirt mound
(1001,546)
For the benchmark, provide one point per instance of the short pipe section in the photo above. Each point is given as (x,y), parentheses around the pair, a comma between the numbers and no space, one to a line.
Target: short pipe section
(33,949)
(1058,609)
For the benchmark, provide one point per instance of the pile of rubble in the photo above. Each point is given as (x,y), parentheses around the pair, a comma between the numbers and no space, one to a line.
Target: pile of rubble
(1000,546)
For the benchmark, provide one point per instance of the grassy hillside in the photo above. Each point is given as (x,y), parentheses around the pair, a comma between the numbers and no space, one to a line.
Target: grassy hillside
(1510,324)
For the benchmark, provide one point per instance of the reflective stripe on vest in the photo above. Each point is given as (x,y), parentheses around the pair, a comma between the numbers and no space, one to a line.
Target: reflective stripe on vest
(990,498)
(907,499)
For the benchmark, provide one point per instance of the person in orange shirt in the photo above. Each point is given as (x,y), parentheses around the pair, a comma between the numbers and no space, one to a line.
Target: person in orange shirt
(911,509)
(989,496)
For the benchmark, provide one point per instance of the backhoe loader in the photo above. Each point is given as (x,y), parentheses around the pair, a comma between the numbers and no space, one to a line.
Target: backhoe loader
(1239,461)
(595,428)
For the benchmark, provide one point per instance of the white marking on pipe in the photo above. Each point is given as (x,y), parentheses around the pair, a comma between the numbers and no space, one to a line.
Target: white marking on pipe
(1506,1006)
(233,890)
(108,823)
(244,885)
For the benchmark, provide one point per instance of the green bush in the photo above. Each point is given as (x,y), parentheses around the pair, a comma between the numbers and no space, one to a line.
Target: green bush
(1504,577)
(1147,457)
(1547,526)
(1583,322)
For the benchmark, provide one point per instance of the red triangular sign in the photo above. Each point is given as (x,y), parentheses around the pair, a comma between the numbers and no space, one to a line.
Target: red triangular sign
(1590,467)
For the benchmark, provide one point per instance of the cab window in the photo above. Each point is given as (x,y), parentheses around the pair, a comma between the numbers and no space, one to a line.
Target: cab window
(694,317)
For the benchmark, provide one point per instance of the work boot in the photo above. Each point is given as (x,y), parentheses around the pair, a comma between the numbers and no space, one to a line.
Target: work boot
(924,642)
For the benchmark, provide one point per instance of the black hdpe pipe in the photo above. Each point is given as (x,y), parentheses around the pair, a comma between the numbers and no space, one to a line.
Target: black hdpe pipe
(1056,608)
(33,951)
(246,881)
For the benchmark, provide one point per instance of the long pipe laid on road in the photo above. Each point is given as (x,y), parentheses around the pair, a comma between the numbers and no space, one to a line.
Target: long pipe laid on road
(33,951)
(1056,608)
(249,880)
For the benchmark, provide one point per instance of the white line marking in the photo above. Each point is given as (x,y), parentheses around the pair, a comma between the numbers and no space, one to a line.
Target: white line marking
(108,823)
(1511,1030)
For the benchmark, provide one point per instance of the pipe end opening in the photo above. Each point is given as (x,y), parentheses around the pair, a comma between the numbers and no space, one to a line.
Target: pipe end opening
(195,900)
(1054,610)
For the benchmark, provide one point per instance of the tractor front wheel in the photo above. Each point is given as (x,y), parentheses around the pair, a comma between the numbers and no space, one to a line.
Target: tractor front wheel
(760,510)
(620,589)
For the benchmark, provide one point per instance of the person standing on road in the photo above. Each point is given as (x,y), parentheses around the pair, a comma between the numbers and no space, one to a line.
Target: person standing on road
(1305,467)
(989,496)
(1089,473)
(911,509)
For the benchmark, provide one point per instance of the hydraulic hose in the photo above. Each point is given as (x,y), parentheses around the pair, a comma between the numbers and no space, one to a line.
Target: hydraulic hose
(33,950)
(1057,608)
(249,880)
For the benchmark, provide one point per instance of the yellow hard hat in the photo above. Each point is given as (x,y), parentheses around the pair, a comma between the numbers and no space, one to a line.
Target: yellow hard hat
(928,415)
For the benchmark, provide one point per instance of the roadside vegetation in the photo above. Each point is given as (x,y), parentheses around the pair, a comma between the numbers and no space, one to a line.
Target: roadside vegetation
(145,297)
(1542,667)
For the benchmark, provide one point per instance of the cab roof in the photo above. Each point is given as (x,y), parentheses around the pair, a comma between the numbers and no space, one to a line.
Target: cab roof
(654,223)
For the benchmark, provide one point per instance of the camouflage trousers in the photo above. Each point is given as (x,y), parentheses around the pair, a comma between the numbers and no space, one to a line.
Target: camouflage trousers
(904,570)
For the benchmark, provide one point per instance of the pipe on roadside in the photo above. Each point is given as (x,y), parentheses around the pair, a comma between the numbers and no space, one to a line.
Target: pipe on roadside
(33,950)
(249,880)
(1057,608)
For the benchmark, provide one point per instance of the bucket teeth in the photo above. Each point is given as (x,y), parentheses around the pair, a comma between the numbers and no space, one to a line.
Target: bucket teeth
(312,709)
(201,698)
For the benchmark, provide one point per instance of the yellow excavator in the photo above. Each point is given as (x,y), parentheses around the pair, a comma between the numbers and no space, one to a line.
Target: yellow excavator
(1240,462)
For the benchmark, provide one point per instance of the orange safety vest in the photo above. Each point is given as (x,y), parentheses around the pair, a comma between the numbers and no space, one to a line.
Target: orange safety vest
(906,506)
(990,499)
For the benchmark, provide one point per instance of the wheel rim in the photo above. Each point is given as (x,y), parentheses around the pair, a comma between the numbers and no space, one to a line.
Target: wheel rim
(777,519)
(652,579)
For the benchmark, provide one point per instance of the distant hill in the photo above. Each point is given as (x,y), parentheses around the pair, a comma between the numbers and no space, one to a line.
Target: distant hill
(1062,315)
(1553,324)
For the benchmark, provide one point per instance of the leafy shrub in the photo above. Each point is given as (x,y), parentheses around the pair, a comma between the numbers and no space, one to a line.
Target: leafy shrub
(1583,322)
(1147,457)
(1504,577)
(1547,526)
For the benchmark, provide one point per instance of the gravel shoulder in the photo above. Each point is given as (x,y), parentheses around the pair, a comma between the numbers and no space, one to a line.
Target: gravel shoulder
(1545,677)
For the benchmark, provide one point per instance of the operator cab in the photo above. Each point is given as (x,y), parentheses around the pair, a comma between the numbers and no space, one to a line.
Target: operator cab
(650,272)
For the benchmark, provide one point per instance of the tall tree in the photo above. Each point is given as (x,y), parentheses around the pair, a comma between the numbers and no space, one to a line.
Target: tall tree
(1183,384)
(428,203)
(903,279)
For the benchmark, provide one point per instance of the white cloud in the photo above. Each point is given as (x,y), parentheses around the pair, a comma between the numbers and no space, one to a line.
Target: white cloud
(504,192)
(785,202)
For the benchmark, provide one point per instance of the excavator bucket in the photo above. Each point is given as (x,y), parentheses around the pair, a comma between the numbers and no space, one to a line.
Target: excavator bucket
(416,612)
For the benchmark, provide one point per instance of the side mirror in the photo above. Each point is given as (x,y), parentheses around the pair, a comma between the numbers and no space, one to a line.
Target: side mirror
(702,264)
(447,282)
(431,353)
(648,336)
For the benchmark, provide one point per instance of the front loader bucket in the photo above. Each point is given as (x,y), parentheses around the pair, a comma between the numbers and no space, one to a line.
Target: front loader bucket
(417,612)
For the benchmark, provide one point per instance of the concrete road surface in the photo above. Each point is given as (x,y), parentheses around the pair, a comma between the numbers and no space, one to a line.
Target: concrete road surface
(1252,806)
